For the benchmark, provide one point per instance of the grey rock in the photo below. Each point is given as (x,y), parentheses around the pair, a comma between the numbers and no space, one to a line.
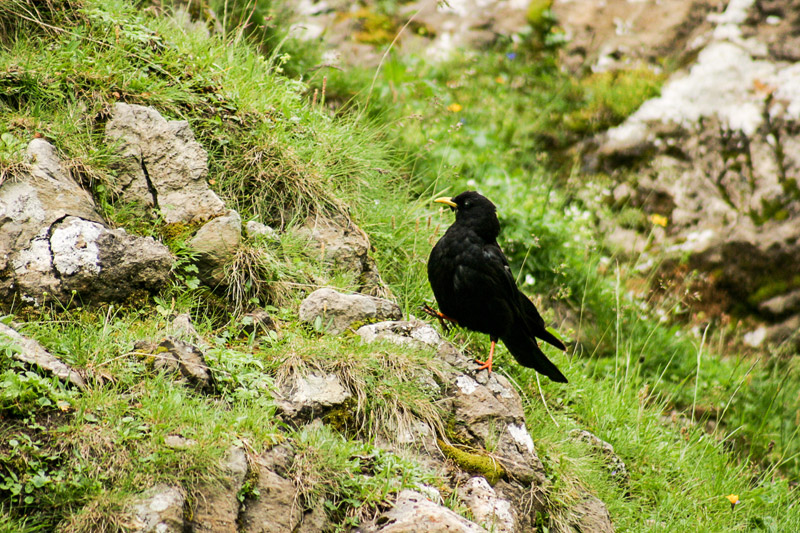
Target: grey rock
(217,505)
(786,332)
(338,311)
(615,464)
(161,165)
(720,151)
(590,515)
(276,510)
(343,244)
(180,357)
(615,34)
(31,352)
(159,510)
(489,510)
(258,321)
(183,328)
(315,521)
(278,459)
(311,395)
(216,243)
(55,246)
(414,513)
(781,305)
(256,229)
(487,409)
(405,333)
(102,265)
(337,241)
(176,442)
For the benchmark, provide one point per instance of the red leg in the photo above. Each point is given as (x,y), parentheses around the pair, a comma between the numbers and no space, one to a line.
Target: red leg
(487,365)
(439,315)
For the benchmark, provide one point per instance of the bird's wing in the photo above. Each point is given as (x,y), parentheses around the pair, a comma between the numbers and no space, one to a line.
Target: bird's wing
(523,307)
(486,270)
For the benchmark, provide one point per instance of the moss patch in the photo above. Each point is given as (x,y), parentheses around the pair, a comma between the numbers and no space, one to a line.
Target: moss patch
(474,463)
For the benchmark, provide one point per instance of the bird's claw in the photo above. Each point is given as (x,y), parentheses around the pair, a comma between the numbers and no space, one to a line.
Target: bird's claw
(441,317)
(485,365)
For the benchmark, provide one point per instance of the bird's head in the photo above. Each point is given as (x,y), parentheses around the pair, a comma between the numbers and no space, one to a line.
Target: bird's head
(475,211)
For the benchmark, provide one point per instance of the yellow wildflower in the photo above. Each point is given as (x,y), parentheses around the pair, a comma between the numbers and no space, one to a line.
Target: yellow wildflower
(659,220)
(734,499)
(454,107)
(500,79)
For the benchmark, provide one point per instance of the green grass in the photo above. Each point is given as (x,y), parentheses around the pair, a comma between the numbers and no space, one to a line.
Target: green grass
(500,120)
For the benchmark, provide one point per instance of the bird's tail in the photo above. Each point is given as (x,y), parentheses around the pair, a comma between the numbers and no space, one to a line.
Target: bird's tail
(528,354)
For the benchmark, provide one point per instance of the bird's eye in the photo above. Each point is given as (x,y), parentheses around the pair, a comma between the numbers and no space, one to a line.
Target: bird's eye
(466,204)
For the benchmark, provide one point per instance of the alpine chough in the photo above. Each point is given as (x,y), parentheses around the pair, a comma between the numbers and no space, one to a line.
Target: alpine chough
(475,289)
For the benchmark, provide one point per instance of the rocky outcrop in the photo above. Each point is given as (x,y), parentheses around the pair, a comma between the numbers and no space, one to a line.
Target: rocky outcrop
(412,512)
(161,165)
(345,246)
(307,397)
(487,414)
(159,510)
(333,312)
(55,246)
(218,508)
(450,26)
(612,34)
(216,243)
(716,157)
(489,510)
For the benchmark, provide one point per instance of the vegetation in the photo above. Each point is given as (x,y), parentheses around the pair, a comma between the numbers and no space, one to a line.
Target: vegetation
(374,149)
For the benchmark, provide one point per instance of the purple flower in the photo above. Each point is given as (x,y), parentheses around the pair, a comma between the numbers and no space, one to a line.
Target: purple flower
(511,55)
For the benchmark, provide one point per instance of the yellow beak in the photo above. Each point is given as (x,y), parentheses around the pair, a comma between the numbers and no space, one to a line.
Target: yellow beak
(447,201)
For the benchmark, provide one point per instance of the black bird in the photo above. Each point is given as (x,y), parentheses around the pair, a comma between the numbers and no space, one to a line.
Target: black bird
(474,287)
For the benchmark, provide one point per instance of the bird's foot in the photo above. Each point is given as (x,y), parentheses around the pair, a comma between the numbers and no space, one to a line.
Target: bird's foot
(485,365)
(441,317)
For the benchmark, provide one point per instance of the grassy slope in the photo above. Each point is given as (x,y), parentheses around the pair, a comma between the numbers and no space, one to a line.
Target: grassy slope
(276,157)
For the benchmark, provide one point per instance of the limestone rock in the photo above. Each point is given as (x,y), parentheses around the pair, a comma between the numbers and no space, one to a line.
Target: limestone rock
(488,409)
(615,464)
(338,311)
(591,516)
(256,229)
(405,333)
(276,510)
(615,33)
(414,513)
(494,513)
(346,246)
(180,357)
(719,148)
(216,243)
(161,165)
(55,246)
(103,265)
(311,395)
(218,506)
(31,352)
(785,332)
(781,305)
(159,510)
